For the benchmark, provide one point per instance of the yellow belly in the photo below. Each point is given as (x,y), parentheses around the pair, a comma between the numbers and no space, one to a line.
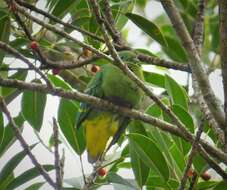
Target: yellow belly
(98,131)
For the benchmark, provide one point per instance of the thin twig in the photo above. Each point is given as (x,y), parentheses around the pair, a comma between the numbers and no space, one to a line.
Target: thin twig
(109,21)
(62,33)
(191,156)
(163,63)
(28,34)
(57,20)
(56,156)
(18,55)
(158,62)
(23,143)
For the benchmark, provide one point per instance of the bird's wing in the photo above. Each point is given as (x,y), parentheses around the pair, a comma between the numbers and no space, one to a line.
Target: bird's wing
(94,89)
(123,123)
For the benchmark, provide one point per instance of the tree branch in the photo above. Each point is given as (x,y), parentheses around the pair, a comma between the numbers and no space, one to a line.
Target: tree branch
(223,41)
(163,63)
(109,20)
(195,62)
(18,55)
(144,58)
(24,144)
(191,155)
(106,105)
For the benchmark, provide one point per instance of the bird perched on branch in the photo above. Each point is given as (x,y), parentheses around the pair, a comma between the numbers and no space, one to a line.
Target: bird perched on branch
(111,84)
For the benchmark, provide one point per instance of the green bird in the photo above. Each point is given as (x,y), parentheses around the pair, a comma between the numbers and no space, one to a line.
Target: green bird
(111,84)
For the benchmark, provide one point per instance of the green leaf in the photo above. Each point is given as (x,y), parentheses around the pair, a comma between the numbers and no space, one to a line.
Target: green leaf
(175,50)
(9,135)
(62,7)
(150,154)
(35,186)
(8,168)
(4,29)
(154,78)
(184,117)
(33,106)
(221,186)
(148,27)
(157,182)
(115,178)
(75,182)
(26,176)
(140,170)
(67,117)
(59,82)
(176,92)
(119,9)
(10,93)
(178,157)
(200,164)
(205,185)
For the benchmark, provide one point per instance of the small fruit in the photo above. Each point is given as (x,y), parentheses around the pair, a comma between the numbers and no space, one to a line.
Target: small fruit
(205,176)
(34,45)
(102,172)
(12,7)
(56,71)
(190,173)
(87,52)
(95,68)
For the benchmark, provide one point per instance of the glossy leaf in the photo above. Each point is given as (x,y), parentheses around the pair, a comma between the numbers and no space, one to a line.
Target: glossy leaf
(176,92)
(221,186)
(67,117)
(184,117)
(115,178)
(206,185)
(9,135)
(140,170)
(9,167)
(33,106)
(59,82)
(150,154)
(35,186)
(175,50)
(62,7)
(26,176)
(200,164)
(10,93)
(154,78)
(148,27)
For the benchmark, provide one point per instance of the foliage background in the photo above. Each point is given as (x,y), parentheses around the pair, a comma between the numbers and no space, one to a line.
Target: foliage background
(137,39)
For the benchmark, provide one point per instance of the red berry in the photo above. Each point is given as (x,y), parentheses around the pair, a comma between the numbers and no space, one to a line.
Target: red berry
(56,71)
(102,172)
(95,68)
(190,173)
(12,7)
(34,45)
(205,176)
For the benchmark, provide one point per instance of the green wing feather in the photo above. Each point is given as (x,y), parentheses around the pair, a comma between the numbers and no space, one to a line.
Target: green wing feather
(94,89)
